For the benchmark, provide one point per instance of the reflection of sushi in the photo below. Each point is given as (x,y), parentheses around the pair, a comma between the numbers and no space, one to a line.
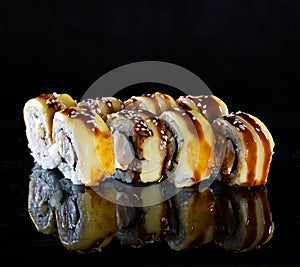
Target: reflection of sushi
(43,188)
(190,146)
(243,217)
(85,220)
(191,216)
(248,151)
(139,144)
(38,115)
(138,226)
(85,144)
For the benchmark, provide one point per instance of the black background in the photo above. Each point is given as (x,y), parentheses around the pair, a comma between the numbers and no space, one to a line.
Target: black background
(247,52)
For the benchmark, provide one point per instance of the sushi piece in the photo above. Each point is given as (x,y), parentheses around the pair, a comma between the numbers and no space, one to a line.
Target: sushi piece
(211,107)
(86,221)
(243,217)
(85,145)
(139,144)
(248,150)
(38,116)
(190,147)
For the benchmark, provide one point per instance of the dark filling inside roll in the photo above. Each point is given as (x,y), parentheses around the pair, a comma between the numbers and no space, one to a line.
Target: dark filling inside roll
(184,106)
(129,131)
(230,161)
(134,169)
(172,149)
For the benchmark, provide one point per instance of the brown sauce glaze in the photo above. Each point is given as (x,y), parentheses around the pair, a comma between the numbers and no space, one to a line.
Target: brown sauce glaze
(264,140)
(250,146)
(86,115)
(204,154)
(150,103)
(165,101)
(51,100)
(206,105)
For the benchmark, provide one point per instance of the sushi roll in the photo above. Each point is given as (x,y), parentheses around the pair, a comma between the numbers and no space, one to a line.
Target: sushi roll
(139,144)
(38,116)
(211,107)
(248,150)
(85,145)
(190,147)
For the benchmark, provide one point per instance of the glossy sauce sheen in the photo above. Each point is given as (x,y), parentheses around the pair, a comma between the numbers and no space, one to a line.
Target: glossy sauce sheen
(204,148)
(51,100)
(207,106)
(250,146)
(148,102)
(103,142)
(85,116)
(156,103)
(150,119)
(264,140)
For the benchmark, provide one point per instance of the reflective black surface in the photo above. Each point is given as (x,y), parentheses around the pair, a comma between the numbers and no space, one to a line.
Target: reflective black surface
(21,240)
(236,219)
